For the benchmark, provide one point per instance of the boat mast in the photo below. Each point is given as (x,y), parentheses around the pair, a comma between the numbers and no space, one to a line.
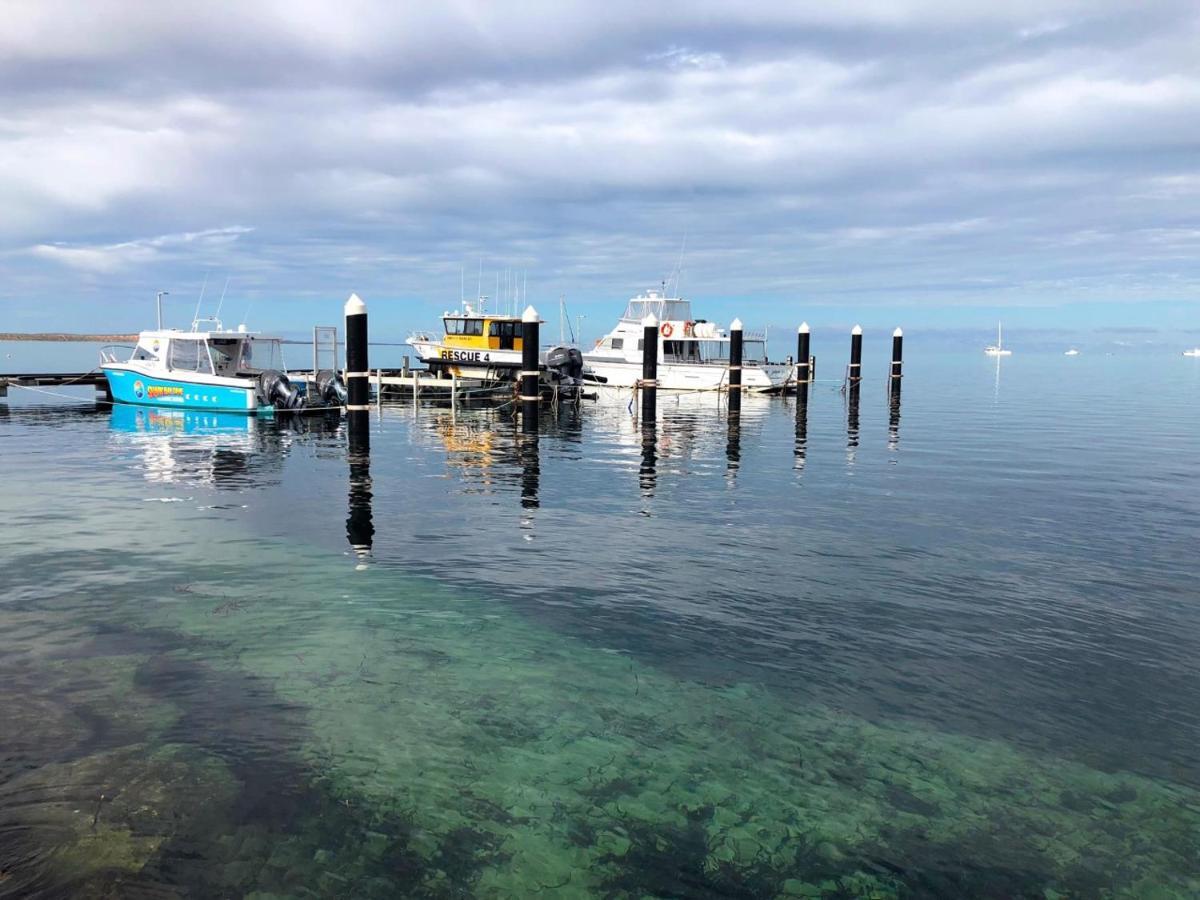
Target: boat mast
(158,302)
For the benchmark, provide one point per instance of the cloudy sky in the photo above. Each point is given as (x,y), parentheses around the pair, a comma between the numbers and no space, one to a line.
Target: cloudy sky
(914,161)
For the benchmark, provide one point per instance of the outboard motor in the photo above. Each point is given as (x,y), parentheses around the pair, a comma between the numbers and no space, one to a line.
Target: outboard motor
(564,366)
(331,390)
(274,389)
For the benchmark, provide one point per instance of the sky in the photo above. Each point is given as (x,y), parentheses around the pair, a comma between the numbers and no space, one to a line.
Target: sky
(921,163)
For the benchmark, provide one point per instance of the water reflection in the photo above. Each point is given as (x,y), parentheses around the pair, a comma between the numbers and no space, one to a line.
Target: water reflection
(647,473)
(801,446)
(528,457)
(733,443)
(894,414)
(193,447)
(852,401)
(360,526)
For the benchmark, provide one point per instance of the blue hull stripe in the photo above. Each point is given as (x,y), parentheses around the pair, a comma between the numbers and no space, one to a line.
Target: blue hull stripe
(147,390)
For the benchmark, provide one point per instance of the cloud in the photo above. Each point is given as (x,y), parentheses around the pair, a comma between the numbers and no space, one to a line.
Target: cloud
(877,152)
(112,257)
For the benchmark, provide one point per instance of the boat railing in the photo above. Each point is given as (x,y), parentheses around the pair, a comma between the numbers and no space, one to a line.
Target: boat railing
(108,353)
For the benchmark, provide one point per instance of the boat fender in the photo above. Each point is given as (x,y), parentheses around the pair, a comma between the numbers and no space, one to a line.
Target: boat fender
(667,329)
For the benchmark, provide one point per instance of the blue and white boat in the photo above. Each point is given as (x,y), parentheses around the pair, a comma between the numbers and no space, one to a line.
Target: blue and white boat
(213,369)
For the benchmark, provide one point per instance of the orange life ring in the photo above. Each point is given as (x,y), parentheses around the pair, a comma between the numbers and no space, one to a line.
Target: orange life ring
(667,329)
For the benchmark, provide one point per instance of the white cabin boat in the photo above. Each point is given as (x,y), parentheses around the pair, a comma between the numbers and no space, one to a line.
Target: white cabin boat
(1195,351)
(693,354)
(210,369)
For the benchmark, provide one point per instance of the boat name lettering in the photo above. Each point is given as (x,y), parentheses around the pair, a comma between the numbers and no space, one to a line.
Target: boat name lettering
(465,355)
(164,390)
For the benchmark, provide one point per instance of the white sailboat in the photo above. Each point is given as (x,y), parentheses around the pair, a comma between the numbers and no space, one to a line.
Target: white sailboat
(998,348)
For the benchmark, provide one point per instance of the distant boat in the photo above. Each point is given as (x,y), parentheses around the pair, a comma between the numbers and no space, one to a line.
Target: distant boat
(1071,352)
(998,348)
(1195,351)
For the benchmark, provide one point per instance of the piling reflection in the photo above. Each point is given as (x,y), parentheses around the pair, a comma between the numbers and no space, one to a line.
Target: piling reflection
(852,401)
(360,525)
(648,472)
(733,443)
(528,457)
(894,414)
(801,450)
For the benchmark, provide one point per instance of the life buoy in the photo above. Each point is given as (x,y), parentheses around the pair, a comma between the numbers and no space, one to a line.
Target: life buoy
(667,329)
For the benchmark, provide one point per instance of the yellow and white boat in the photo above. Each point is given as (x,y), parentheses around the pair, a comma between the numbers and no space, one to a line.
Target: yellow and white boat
(478,344)
(474,344)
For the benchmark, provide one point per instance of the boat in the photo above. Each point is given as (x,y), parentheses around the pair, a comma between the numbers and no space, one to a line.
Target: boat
(211,368)
(1071,352)
(998,348)
(1195,351)
(693,353)
(475,343)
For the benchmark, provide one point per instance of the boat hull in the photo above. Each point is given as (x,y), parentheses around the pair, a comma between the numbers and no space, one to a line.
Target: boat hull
(468,362)
(129,385)
(675,377)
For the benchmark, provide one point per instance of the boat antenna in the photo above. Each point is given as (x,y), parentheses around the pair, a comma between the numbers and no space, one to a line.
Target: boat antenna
(221,302)
(479,291)
(462,284)
(196,314)
(249,303)
(679,267)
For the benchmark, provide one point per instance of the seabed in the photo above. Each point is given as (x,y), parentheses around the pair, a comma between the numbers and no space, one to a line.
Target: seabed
(390,737)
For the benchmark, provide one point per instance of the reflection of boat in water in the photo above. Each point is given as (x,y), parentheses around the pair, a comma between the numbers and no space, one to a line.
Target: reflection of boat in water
(191,446)
(693,353)
(998,348)
(220,370)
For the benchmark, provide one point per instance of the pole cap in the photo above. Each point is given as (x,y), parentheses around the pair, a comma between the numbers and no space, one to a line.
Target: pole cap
(803,329)
(355,306)
(897,333)
(651,321)
(856,330)
(735,325)
(530,315)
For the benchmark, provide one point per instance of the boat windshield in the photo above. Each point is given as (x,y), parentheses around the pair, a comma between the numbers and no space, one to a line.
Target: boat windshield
(663,310)
(260,354)
(753,351)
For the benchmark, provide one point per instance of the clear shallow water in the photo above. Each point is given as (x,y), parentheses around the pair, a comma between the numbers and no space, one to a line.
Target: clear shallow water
(949,655)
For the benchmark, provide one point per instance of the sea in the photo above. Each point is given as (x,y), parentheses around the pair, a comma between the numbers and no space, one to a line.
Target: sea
(859,644)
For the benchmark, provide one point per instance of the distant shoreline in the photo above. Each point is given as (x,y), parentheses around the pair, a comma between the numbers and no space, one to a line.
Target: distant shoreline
(66,338)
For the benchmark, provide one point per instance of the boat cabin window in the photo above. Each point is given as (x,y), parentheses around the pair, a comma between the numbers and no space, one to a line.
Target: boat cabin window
(754,351)
(188,356)
(225,353)
(470,327)
(505,332)
(681,351)
(143,353)
(619,344)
